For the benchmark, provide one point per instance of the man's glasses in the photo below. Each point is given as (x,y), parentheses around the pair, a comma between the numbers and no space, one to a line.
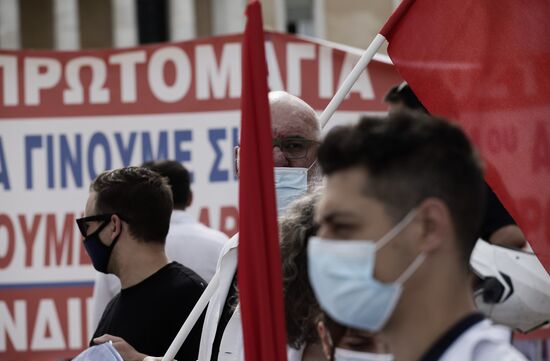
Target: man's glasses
(83,225)
(294,147)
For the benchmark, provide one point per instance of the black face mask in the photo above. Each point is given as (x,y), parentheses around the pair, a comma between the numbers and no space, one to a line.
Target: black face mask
(98,252)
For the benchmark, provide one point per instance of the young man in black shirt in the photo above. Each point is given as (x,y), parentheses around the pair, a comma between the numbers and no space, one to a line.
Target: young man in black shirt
(126,220)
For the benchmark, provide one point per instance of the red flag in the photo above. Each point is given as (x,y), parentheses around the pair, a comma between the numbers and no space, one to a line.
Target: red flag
(487,65)
(259,267)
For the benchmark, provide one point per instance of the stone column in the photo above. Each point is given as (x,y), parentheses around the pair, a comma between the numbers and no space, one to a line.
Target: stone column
(183,24)
(125,28)
(66,25)
(10,31)
(228,16)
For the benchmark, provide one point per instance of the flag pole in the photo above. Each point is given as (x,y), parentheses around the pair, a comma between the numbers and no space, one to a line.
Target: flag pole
(351,79)
(365,59)
(192,318)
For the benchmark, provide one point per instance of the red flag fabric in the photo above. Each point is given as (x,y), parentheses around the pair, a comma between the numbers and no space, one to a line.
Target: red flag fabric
(486,64)
(259,268)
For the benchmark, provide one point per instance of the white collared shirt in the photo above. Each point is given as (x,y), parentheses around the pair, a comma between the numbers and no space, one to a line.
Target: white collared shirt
(483,341)
(194,245)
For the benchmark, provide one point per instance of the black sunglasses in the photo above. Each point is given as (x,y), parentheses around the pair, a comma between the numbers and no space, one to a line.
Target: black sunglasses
(83,222)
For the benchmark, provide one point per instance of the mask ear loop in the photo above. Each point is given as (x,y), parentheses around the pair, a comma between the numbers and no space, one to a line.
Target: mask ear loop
(312,165)
(396,229)
(314,179)
(394,232)
(411,269)
(100,228)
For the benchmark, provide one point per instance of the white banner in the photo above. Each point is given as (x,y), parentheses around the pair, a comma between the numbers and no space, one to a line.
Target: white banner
(67,116)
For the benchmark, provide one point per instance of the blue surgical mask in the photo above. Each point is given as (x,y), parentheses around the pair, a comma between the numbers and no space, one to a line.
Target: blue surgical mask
(341,354)
(290,184)
(342,275)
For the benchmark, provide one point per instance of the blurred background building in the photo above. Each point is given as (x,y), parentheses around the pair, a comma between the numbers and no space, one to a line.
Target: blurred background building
(84,24)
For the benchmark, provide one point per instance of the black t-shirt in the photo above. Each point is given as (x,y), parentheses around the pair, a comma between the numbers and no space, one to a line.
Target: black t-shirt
(150,314)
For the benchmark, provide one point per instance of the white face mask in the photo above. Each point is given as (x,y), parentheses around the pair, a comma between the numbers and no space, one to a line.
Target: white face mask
(290,184)
(342,276)
(341,354)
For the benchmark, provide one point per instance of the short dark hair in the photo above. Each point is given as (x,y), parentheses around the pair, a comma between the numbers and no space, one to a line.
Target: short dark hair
(140,196)
(409,157)
(178,178)
(403,93)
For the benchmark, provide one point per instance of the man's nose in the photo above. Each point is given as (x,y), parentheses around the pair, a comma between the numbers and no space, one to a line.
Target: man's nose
(279,159)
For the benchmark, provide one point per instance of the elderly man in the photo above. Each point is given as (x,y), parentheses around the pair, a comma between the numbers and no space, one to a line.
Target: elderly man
(296,132)
(125,225)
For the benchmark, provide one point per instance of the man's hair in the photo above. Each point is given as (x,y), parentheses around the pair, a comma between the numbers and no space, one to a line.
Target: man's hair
(410,156)
(301,308)
(296,108)
(140,197)
(178,178)
(403,93)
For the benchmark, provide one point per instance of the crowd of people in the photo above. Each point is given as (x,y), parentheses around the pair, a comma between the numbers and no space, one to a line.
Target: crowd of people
(378,222)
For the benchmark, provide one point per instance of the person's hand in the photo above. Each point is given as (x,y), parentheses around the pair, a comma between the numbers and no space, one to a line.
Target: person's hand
(125,350)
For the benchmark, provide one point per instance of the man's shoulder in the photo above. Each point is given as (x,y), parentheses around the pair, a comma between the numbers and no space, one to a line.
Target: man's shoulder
(484,341)
(183,287)
(494,343)
(182,276)
(196,230)
(210,233)
(173,277)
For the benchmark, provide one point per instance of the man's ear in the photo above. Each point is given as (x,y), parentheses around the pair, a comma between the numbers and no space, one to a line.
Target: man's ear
(116,227)
(236,156)
(326,341)
(437,224)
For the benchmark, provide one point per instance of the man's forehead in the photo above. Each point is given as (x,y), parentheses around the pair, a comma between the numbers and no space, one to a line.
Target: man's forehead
(293,128)
(290,117)
(344,192)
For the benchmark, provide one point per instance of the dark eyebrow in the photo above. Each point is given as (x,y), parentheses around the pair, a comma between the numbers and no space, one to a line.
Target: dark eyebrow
(294,137)
(329,218)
